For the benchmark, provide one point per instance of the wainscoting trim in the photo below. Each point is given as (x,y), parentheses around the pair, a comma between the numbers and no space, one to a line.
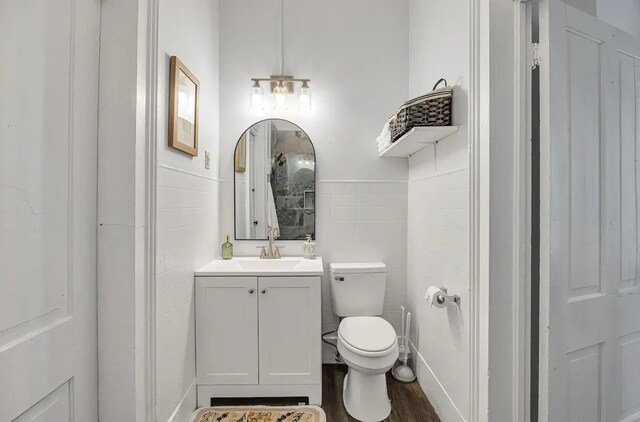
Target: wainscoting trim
(204,176)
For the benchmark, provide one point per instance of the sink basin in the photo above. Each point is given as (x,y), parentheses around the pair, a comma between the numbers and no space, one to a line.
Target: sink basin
(269,264)
(253,266)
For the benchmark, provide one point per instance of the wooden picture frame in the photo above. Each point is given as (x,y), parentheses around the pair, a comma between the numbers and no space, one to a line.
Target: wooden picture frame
(184,89)
(241,154)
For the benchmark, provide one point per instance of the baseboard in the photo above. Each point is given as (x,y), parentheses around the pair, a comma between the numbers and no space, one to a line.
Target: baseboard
(437,395)
(186,407)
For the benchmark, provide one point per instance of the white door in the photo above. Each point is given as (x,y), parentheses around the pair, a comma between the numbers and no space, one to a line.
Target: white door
(590,232)
(290,330)
(48,179)
(227,330)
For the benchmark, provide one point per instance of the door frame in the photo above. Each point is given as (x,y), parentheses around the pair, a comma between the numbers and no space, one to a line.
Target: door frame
(499,320)
(136,67)
(150,207)
(484,17)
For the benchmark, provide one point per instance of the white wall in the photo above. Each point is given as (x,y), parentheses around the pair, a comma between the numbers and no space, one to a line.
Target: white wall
(187,197)
(356,57)
(623,14)
(438,204)
(589,6)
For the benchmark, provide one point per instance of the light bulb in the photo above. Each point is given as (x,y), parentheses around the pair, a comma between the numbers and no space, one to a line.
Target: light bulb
(257,97)
(280,92)
(305,97)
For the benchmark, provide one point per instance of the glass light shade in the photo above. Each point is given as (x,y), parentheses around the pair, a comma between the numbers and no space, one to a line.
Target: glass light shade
(280,93)
(305,97)
(257,97)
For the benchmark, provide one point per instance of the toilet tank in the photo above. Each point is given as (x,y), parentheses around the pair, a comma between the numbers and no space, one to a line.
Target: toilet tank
(357,289)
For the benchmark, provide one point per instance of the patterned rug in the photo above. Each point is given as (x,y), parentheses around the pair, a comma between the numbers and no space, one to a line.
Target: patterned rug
(259,414)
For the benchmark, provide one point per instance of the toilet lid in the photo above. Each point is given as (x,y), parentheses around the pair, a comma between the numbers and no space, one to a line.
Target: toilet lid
(369,334)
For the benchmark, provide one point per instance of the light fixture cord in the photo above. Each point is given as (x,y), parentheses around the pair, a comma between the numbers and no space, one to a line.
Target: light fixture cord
(281,37)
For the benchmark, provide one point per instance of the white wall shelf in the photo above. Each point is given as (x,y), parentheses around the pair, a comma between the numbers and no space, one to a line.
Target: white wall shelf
(417,139)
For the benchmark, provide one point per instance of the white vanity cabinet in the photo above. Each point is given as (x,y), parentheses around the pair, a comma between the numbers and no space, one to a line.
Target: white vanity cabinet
(289,324)
(258,337)
(227,330)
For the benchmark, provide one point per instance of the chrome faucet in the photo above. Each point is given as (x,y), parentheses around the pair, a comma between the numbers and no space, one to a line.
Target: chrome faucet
(273,252)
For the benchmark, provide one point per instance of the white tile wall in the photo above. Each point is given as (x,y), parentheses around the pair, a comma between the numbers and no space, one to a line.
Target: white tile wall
(187,197)
(438,255)
(363,221)
(438,204)
(187,238)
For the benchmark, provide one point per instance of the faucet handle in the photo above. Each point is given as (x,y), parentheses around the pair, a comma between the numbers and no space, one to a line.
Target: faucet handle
(263,252)
(274,232)
(277,251)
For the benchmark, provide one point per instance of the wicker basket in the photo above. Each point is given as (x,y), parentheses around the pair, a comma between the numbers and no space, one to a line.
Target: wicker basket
(432,109)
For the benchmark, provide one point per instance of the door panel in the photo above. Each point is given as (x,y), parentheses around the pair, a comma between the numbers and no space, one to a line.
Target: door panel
(289,309)
(227,330)
(590,297)
(55,407)
(629,79)
(583,172)
(629,352)
(48,155)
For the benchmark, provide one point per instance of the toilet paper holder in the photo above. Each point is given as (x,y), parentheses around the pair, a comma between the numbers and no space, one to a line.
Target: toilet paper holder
(442,299)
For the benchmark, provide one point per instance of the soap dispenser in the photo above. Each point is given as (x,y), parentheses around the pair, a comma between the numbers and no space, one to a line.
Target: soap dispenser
(309,249)
(227,249)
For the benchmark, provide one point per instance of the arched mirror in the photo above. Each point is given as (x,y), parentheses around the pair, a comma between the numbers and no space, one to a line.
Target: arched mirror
(275,182)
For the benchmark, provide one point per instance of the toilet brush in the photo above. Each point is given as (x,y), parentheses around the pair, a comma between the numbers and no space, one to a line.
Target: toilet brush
(404,373)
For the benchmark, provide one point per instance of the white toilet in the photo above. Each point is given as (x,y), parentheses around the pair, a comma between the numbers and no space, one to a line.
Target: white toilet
(367,343)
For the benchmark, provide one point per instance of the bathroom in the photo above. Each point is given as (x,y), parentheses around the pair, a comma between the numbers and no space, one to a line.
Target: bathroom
(333,239)
(362,200)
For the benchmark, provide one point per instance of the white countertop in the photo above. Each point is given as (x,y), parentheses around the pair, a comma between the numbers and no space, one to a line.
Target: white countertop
(254,266)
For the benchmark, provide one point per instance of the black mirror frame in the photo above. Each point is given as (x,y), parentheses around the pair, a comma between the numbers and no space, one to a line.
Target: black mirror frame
(315,180)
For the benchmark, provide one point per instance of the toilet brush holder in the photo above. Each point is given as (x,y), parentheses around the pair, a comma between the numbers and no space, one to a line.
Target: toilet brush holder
(403,372)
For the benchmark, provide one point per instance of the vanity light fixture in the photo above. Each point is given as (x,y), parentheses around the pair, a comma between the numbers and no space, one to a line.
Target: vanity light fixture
(281,85)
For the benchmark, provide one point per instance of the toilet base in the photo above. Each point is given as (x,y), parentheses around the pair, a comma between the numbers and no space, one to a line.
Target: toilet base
(365,396)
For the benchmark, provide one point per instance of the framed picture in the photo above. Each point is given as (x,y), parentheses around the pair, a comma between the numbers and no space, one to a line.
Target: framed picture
(183,108)
(241,154)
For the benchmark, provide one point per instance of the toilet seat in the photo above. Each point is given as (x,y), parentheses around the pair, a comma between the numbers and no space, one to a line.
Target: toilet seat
(368,336)
(367,344)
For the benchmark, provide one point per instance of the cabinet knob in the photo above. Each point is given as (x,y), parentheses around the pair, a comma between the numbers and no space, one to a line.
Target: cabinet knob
(250,291)
(263,291)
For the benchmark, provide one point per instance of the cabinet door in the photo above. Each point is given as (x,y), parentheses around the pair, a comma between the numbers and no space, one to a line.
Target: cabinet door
(290,343)
(227,330)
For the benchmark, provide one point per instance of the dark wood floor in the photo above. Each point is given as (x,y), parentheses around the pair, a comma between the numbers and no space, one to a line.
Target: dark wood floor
(408,402)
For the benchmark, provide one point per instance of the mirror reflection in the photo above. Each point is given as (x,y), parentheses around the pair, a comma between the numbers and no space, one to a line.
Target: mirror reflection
(275,182)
